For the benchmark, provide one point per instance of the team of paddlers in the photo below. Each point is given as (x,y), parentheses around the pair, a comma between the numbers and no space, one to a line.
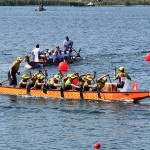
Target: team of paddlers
(74,81)
(55,55)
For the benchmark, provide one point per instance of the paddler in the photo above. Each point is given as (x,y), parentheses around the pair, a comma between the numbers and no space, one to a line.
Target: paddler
(87,84)
(100,83)
(13,71)
(53,82)
(39,82)
(67,82)
(24,81)
(67,43)
(122,76)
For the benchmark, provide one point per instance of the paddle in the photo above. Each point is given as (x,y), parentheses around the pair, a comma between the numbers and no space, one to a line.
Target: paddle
(109,78)
(45,86)
(3,81)
(78,53)
(115,73)
(28,85)
(62,92)
(81,94)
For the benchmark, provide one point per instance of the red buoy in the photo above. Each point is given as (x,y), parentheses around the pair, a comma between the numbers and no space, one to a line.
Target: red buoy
(148,57)
(63,66)
(97,146)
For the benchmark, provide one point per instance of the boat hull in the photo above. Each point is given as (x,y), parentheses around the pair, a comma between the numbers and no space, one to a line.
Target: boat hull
(88,95)
(37,64)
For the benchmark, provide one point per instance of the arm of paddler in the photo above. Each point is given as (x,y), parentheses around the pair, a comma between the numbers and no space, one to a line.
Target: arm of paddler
(128,77)
(76,86)
(94,76)
(81,75)
(10,71)
(116,77)
(34,75)
(92,86)
(60,74)
(103,76)
(46,73)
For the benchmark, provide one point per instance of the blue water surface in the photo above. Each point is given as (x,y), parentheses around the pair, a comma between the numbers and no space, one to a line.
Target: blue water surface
(108,37)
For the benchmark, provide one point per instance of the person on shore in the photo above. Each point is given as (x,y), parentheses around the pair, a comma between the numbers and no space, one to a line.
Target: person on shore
(24,81)
(36,53)
(13,71)
(67,43)
(122,76)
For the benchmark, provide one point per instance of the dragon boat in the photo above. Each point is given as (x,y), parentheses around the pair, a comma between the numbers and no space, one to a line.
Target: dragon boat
(110,95)
(42,62)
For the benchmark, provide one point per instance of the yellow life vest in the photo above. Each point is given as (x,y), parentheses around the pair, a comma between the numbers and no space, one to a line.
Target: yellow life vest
(36,84)
(52,81)
(86,83)
(67,83)
(16,66)
(122,76)
(100,85)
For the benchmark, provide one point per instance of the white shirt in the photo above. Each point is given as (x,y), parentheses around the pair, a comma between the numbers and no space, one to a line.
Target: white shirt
(67,43)
(35,53)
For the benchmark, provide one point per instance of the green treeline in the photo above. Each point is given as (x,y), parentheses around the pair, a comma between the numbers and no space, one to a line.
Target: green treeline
(31,2)
(67,2)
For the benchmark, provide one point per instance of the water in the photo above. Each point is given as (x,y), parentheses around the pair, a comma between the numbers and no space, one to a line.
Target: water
(109,37)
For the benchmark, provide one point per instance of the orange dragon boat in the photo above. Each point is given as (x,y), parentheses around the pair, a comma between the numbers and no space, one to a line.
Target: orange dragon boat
(78,95)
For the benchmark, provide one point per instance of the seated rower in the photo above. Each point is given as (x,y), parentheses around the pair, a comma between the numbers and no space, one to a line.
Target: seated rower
(54,56)
(100,83)
(24,81)
(53,82)
(65,56)
(67,82)
(32,81)
(122,76)
(80,80)
(60,56)
(87,83)
(42,55)
(57,48)
(39,82)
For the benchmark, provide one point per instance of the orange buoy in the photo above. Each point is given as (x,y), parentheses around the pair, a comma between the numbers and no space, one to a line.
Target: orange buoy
(97,146)
(63,66)
(148,57)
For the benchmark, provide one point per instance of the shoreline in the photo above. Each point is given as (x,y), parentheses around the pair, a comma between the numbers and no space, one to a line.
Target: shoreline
(82,3)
